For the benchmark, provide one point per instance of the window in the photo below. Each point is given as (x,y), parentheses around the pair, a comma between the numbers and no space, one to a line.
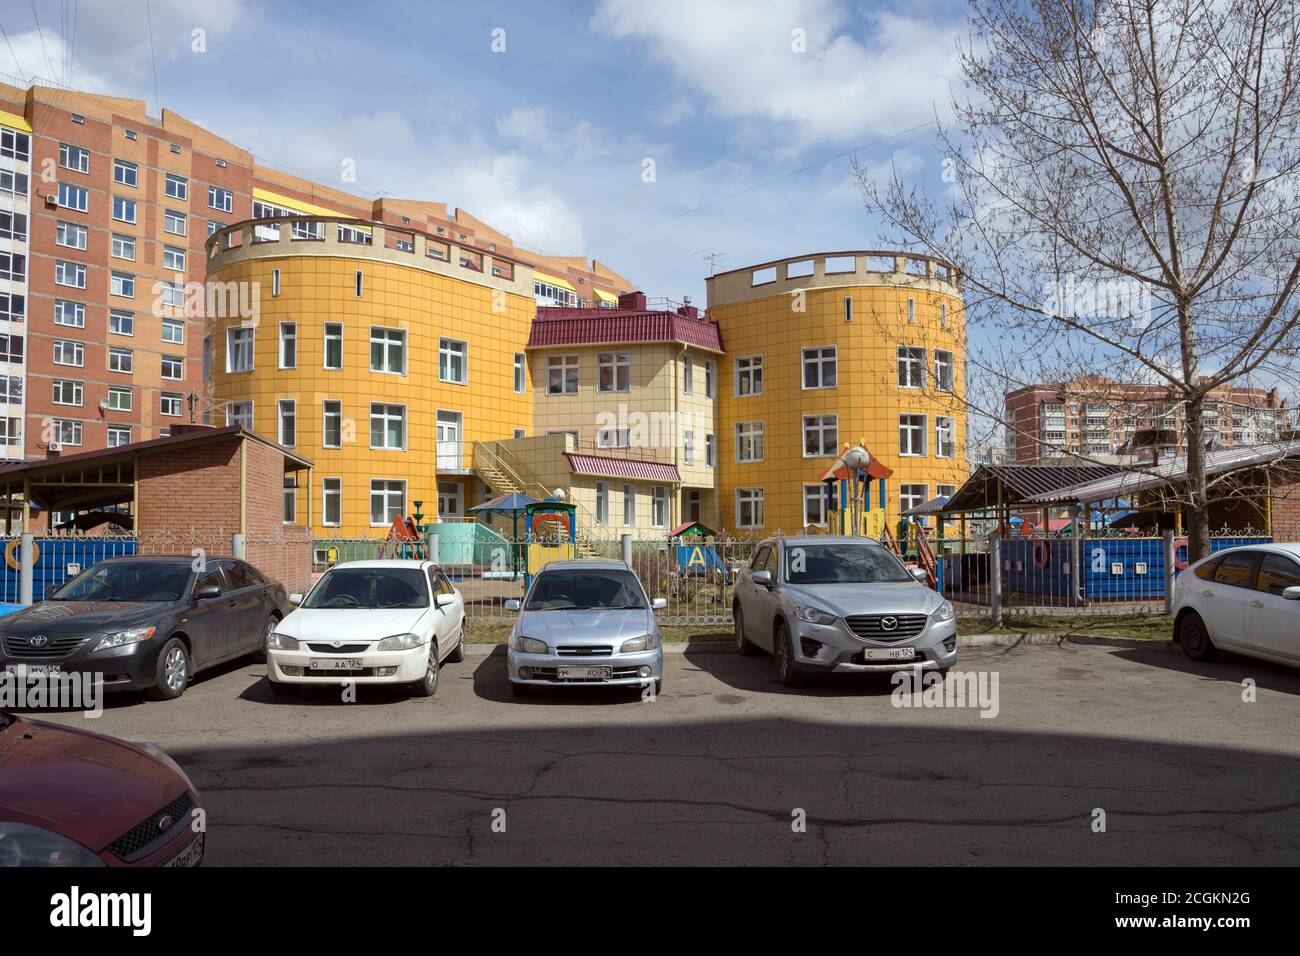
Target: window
(332,502)
(287,434)
(387,350)
(945,491)
(123,284)
(602,502)
(749,508)
(1276,574)
(562,375)
(332,424)
(820,435)
(119,398)
(911,311)
(521,373)
(943,367)
(68,392)
(13,306)
(334,345)
(11,388)
(223,200)
(121,360)
(11,348)
(176,187)
(945,438)
(15,145)
(275,282)
(360,282)
(67,432)
(629,506)
(749,441)
(288,345)
(453,361)
(911,367)
(207,357)
(613,437)
(10,431)
(13,266)
(659,507)
(72,274)
(1237,568)
(814,505)
(688,374)
(74,158)
(614,372)
(170,404)
(710,378)
(688,448)
(69,353)
(173,368)
(71,235)
(749,375)
(125,173)
(174,222)
(911,435)
(819,367)
(848,308)
(173,331)
(173,258)
(13,225)
(239,349)
(71,314)
(241,414)
(122,247)
(123,209)
(72,197)
(121,323)
(387,501)
(388,426)
(911,496)
(710,451)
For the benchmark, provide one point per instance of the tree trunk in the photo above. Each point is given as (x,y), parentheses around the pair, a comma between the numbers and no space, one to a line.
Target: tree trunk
(1196,515)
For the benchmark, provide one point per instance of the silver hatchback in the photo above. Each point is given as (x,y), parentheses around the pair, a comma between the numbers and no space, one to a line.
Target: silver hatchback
(830,603)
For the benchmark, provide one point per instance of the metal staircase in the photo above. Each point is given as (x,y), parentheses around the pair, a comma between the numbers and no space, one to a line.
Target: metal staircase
(504,474)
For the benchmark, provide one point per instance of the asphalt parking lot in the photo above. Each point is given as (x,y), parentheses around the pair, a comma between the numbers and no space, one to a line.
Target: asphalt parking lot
(715,769)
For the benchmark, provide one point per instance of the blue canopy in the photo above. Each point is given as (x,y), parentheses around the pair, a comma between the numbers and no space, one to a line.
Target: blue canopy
(511,504)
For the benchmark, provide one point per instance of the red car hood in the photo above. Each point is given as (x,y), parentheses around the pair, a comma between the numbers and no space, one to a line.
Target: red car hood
(85,786)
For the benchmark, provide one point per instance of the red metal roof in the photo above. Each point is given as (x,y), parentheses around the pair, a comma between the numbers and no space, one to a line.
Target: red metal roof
(621,468)
(558,326)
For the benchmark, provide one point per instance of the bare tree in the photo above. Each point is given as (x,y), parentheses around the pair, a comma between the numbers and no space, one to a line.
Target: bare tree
(1125,196)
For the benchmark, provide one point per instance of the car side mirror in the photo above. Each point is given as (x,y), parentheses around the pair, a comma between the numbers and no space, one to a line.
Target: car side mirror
(442,600)
(659,603)
(512,604)
(920,575)
(295,599)
(762,578)
(50,589)
(207,591)
(1291,593)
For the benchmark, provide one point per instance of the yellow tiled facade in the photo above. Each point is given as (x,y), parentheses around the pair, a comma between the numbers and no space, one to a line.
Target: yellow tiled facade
(427,300)
(864,306)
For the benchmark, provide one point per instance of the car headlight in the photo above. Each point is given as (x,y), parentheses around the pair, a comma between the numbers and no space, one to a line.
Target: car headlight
(812,615)
(130,636)
(647,643)
(400,642)
(281,642)
(528,645)
(23,845)
(943,612)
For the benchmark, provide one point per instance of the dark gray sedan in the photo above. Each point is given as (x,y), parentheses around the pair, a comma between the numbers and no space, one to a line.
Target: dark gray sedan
(145,623)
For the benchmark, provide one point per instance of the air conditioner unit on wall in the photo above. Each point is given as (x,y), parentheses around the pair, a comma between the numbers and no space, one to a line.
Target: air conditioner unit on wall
(52,202)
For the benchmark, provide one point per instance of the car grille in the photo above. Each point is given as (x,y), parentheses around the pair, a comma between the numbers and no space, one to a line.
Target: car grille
(341,649)
(548,673)
(872,626)
(580,651)
(143,838)
(19,647)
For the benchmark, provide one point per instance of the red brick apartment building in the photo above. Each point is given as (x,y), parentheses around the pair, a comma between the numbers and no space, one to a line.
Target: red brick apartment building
(1097,418)
(104,213)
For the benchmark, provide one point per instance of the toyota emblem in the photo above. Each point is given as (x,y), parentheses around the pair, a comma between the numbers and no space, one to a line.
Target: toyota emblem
(164,823)
(39,640)
(889,623)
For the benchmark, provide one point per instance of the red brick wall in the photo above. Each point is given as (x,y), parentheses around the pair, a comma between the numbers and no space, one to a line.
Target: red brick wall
(1286,512)
(189,497)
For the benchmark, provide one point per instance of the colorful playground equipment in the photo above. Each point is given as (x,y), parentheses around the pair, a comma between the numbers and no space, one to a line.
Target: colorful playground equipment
(696,554)
(550,534)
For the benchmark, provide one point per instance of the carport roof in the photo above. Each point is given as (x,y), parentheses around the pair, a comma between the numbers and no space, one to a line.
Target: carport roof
(1020,484)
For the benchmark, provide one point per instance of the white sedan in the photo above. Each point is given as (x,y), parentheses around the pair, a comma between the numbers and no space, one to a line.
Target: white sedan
(370,622)
(1245,600)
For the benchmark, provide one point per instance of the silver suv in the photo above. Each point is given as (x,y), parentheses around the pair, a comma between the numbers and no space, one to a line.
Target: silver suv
(829,603)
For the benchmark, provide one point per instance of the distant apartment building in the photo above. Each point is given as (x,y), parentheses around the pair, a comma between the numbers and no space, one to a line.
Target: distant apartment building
(1103,420)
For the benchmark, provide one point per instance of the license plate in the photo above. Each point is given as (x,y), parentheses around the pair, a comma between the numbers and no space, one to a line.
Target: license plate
(584,673)
(192,855)
(889,654)
(34,670)
(334,664)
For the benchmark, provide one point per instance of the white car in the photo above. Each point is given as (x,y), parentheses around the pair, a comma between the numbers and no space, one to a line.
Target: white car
(1245,600)
(370,622)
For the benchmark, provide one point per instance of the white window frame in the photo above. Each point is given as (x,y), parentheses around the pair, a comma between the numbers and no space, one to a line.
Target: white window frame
(335,493)
(757,500)
(911,366)
(815,492)
(389,341)
(750,434)
(821,424)
(286,411)
(566,366)
(386,491)
(749,368)
(386,413)
(914,431)
(619,367)
(237,344)
(451,349)
(819,358)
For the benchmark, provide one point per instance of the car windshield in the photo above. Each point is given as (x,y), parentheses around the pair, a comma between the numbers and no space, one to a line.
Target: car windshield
(585,588)
(127,581)
(841,564)
(370,588)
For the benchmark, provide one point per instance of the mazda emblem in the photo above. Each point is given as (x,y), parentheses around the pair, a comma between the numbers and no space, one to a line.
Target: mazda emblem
(889,623)
(40,640)
(336,643)
(164,823)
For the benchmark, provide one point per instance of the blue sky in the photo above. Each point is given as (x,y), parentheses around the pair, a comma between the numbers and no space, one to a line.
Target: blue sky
(548,139)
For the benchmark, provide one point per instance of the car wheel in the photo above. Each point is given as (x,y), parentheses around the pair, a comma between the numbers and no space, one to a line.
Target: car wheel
(744,646)
(172,672)
(457,654)
(786,671)
(427,686)
(259,655)
(1195,639)
(521,690)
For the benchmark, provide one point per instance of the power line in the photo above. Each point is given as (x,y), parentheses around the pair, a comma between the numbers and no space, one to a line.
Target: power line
(18,66)
(157,98)
(41,35)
